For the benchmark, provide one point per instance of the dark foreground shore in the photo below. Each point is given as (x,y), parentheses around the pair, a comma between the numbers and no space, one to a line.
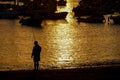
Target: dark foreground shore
(91,73)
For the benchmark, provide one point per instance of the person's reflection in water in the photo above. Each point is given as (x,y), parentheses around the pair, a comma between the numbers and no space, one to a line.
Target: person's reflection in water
(36,55)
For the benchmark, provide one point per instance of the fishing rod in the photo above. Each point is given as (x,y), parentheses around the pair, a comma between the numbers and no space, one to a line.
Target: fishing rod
(34,38)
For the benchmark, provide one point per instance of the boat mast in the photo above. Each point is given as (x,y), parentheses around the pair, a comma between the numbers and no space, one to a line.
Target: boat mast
(16,2)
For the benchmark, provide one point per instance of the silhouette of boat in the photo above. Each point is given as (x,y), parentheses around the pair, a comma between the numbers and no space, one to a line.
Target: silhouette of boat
(95,7)
(55,16)
(36,20)
(30,21)
(91,19)
(116,19)
(41,7)
(8,11)
(62,3)
(36,10)
(112,18)
(41,10)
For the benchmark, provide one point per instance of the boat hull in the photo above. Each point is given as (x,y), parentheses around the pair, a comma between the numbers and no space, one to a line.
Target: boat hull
(31,22)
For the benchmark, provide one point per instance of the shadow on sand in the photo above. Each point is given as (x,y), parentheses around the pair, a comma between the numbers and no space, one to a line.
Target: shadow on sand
(93,73)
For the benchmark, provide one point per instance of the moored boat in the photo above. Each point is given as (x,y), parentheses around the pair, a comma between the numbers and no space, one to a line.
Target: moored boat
(41,7)
(55,16)
(116,19)
(41,10)
(112,18)
(36,10)
(30,21)
(8,11)
(61,3)
(91,19)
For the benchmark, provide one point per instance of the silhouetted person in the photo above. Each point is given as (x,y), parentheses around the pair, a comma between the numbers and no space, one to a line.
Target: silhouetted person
(36,55)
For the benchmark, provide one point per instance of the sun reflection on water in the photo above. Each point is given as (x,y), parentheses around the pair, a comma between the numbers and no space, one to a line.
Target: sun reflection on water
(64,42)
(64,37)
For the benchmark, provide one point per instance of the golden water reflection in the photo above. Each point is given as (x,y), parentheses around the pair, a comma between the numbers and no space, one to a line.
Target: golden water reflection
(65,43)
(65,40)
(81,43)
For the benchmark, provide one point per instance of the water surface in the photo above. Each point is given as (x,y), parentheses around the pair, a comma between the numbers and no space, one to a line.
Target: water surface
(65,43)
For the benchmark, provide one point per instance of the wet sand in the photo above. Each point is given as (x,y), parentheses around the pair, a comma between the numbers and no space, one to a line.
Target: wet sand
(91,73)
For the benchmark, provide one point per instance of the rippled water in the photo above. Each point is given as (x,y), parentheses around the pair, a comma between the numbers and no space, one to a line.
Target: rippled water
(65,44)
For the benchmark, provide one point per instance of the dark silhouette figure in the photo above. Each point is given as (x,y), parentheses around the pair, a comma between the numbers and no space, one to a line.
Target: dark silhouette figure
(36,55)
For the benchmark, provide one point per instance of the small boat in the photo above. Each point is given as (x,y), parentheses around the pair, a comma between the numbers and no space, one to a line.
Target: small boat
(29,21)
(36,20)
(56,16)
(112,18)
(62,3)
(91,19)
(107,19)
(8,12)
(41,7)
(116,19)
(38,11)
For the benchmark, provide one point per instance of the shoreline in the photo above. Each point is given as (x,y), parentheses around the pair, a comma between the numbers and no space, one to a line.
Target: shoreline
(91,73)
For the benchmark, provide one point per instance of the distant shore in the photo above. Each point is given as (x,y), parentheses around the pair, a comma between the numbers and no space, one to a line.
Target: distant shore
(91,73)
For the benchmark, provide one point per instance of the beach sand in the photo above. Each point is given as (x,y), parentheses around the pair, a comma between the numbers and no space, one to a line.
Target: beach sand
(89,73)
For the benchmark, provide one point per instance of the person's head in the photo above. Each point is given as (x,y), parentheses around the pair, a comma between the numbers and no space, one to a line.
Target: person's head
(36,42)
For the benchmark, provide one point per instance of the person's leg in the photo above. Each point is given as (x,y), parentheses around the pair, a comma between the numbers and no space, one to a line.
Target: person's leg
(34,65)
(37,65)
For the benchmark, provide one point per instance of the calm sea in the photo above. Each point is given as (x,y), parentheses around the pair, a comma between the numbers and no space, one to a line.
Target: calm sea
(65,43)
